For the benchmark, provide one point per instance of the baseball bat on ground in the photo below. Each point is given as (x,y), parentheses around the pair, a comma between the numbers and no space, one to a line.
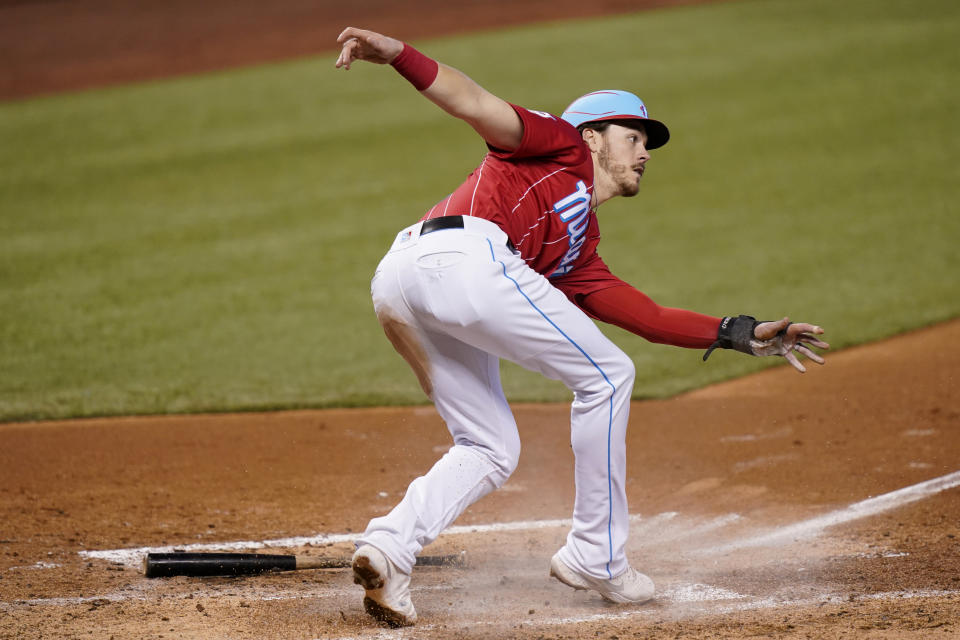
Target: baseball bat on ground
(163,565)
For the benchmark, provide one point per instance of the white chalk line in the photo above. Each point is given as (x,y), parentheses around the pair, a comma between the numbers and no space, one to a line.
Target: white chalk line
(797,531)
(789,533)
(872,506)
(698,530)
(134,556)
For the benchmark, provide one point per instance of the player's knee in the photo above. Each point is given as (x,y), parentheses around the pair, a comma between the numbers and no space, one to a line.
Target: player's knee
(623,373)
(511,458)
(505,460)
(615,375)
(502,457)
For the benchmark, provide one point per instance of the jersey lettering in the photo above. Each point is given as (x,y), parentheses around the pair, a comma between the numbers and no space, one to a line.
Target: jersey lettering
(574,210)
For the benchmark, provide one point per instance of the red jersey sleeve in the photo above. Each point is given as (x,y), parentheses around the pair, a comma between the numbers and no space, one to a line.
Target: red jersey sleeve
(590,276)
(545,136)
(606,297)
(632,310)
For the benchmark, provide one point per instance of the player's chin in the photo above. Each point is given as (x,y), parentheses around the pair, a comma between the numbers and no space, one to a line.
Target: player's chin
(630,189)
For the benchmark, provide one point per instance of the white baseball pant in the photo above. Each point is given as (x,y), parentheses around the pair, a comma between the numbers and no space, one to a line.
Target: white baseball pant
(453,302)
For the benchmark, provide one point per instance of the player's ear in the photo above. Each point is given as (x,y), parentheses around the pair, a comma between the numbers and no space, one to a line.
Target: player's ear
(593,138)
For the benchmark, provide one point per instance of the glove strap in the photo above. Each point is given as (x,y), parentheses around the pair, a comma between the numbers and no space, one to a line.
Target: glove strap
(734,333)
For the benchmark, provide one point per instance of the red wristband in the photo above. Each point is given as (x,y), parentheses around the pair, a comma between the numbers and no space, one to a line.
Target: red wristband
(420,70)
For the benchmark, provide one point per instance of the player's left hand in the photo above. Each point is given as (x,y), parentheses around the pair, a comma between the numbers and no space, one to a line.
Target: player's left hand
(785,338)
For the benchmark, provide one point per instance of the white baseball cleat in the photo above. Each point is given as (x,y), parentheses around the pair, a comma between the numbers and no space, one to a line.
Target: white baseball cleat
(630,587)
(388,589)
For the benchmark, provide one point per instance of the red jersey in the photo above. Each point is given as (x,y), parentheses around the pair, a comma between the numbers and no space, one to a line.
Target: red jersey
(540,195)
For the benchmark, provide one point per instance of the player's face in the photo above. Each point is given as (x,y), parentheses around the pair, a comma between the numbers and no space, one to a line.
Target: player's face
(623,157)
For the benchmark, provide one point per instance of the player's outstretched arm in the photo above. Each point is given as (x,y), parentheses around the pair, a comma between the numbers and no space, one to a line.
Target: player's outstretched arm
(454,92)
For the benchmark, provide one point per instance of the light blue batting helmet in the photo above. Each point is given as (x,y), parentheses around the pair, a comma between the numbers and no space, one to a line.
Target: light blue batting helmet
(612,104)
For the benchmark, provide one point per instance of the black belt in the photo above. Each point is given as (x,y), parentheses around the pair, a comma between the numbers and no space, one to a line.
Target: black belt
(438,224)
(447,222)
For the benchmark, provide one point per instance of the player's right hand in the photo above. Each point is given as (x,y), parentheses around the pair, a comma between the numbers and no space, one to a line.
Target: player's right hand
(360,44)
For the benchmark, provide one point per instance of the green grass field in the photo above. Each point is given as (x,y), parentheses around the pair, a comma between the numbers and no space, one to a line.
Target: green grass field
(206,243)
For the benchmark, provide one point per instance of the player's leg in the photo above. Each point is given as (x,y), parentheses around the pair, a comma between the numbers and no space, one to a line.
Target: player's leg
(537,327)
(491,300)
(465,388)
(464,384)
(479,293)
(545,332)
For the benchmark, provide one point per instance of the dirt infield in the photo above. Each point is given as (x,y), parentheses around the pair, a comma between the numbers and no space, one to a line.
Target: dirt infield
(779,505)
(47,46)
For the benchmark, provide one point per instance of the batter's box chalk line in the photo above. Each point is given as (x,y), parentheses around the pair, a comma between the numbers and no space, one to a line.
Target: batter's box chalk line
(812,527)
(798,531)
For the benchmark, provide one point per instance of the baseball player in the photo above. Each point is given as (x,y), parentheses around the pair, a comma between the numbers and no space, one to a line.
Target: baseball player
(506,266)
